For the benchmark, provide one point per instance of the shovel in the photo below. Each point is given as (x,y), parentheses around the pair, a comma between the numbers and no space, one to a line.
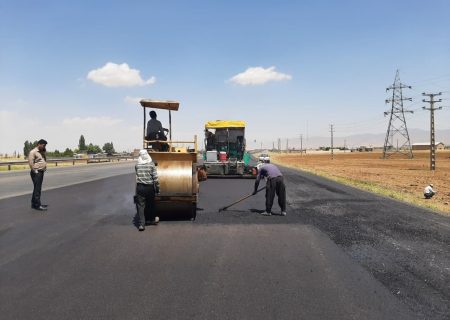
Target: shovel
(240,200)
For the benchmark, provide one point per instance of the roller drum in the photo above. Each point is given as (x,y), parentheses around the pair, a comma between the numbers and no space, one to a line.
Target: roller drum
(175,177)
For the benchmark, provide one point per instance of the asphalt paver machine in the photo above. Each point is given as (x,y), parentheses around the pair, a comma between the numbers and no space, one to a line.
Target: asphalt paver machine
(225,154)
(176,163)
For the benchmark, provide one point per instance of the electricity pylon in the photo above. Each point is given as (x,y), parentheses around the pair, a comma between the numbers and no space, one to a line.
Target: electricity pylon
(397,122)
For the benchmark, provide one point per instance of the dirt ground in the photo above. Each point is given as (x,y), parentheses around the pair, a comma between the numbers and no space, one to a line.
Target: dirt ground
(397,177)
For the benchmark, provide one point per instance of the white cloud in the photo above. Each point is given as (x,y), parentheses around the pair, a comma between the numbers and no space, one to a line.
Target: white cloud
(118,75)
(132,100)
(259,76)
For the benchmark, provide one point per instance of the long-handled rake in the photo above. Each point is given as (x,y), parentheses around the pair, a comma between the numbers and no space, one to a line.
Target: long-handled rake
(240,200)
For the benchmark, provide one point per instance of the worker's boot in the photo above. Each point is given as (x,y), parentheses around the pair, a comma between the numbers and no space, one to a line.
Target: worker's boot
(265,213)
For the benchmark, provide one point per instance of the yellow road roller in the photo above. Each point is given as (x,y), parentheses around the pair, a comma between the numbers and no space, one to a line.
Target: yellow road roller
(176,163)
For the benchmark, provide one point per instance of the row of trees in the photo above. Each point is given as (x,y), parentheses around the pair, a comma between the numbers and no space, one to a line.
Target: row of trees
(108,147)
(82,148)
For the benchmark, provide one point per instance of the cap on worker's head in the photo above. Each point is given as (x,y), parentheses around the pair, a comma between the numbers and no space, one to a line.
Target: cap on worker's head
(259,165)
(42,141)
(152,114)
(431,184)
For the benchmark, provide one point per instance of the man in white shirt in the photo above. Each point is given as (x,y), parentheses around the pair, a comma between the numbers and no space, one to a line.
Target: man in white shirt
(429,192)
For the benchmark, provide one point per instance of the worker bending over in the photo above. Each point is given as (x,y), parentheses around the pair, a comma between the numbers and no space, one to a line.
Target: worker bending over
(274,184)
(428,193)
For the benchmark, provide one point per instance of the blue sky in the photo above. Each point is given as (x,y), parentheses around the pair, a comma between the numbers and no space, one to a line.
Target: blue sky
(331,62)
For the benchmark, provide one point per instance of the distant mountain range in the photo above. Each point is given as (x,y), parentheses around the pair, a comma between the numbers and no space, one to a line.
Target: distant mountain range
(373,140)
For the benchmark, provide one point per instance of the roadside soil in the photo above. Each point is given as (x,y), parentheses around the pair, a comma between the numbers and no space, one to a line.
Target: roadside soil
(397,177)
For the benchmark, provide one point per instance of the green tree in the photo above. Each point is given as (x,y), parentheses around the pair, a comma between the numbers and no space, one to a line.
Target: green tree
(109,148)
(82,144)
(93,149)
(68,153)
(28,146)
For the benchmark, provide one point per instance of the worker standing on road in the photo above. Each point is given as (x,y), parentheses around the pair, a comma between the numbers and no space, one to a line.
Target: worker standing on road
(428,193)
(147,185)
(274,184)
(38,165)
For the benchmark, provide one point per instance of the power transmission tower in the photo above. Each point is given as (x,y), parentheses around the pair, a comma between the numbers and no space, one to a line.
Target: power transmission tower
(331,130)
(397,121)
(432,108)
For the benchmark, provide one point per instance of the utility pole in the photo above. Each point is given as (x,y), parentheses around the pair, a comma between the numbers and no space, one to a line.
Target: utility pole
(331,130)
(345,143)
(273,145)
(432,108)
(397,121)
(301,144)
(279,144)
(287,145)
(261,145)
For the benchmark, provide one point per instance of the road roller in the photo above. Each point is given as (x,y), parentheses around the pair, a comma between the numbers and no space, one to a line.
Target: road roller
(176,163)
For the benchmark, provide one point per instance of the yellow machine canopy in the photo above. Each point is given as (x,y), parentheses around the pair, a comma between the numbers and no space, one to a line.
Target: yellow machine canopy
(217,124)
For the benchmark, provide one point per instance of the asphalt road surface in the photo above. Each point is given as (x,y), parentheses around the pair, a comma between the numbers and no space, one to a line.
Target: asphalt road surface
(340,253)
(18,182)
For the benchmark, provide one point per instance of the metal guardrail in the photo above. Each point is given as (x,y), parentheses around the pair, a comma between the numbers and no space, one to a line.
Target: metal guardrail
(73,160)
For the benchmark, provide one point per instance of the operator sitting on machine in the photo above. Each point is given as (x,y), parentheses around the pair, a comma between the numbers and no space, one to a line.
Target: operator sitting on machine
(155,130)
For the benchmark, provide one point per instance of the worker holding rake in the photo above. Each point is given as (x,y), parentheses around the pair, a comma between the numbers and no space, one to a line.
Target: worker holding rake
(274,185)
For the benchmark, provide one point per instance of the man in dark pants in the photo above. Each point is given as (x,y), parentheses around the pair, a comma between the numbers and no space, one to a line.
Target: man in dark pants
(274,184)
(147,185)
(38,165)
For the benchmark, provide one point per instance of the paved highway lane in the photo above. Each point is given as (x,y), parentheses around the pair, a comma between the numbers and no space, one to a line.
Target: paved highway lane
(84,258)
(15,183)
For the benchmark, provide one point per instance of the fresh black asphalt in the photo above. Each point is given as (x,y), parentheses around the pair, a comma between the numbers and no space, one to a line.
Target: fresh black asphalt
(340,253)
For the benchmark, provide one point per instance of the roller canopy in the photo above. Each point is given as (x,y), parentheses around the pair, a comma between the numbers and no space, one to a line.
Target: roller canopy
(224,124)
(160,104)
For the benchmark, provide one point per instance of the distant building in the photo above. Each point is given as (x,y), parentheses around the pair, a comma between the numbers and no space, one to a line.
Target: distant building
(426,146)
(80,156)
(365,149)
(135,153)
